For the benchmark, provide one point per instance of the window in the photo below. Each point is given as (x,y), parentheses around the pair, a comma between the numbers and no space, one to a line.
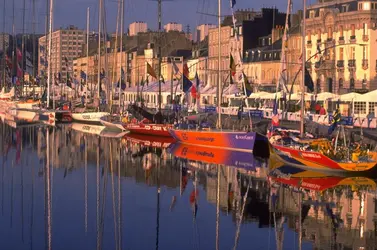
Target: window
(352,30)
(366,6)
(365,49)
(372,106)
(360,108)
(341,53)
(312,14)
(352,54)
(319,34)
(365,29)
(340,82)
(329,32)
(360,6)
(341,31)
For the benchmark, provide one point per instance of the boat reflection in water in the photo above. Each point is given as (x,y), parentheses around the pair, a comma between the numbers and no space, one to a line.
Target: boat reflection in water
(136,192)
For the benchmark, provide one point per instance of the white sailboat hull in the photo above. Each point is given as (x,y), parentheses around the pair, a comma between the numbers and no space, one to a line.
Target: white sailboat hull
(112,125)
(89,116)
(91,129)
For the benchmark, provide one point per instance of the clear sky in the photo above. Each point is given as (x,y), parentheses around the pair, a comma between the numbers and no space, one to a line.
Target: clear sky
(68,12)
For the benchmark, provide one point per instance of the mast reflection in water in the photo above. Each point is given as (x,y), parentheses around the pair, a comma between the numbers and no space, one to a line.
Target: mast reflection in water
(65,189)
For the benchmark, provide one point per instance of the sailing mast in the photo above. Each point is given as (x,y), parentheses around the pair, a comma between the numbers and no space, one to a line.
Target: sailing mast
(23,48)
(159,57)
(115,55)
(99,47)
(49,55)
(303,70)
(14,62)
(219,87)
(87,53)
(121,51)
(34,42)
(4,50)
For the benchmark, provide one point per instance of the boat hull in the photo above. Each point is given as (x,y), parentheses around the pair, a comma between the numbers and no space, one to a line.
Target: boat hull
(89,117)
(229,140)
(149,141)
(315,161)
(149,129)
(112,125)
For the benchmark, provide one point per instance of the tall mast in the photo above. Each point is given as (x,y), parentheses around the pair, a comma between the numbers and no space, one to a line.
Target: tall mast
(34,42)
(23,47)
(303,70)
(159,56)
(99,47)
(4,50)
(49,55)
(14,62)
(115,54)
(87,52)
(121,51)
(219,66)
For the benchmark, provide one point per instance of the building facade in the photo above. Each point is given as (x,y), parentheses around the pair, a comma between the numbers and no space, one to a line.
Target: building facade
(137,27)
(66,43)
(173,26)
(202,31)
(345,33)
(5,40)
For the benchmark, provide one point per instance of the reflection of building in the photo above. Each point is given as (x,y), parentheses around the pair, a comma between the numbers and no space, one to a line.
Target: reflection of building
(347,31)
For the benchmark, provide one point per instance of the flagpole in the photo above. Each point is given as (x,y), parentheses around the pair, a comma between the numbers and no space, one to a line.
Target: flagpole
(303,71)
(87,53)
(121,52)
(171,82)
(4,51)
(23,47)
(49,55)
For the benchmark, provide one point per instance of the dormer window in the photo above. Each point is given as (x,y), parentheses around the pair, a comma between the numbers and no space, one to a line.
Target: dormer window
(344,8)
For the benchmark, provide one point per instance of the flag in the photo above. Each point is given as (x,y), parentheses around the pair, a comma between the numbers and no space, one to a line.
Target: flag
(19,55)
(247,86)
(193,92)
(19,71)
(82,75)
(175,68)
(187,84)
(150,71)
(233,3)
(186,71)
(197,81)
(232,66)
(309,81)
(335,121)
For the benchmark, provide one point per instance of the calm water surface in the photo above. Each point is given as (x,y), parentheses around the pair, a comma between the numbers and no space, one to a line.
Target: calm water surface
(65,189)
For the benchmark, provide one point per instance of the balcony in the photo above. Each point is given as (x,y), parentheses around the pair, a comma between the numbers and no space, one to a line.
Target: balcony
(352,39)
(340,64)
(341,40)
(352,64)
(365,64)
(365,38)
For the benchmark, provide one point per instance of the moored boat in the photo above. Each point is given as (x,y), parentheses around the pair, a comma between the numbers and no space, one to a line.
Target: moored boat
(148,141)
(150,129)
(229,140)
(89,116)
(112,122)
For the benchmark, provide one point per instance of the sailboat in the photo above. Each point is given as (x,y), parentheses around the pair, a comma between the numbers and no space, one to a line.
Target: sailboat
(316,154)
(83,114)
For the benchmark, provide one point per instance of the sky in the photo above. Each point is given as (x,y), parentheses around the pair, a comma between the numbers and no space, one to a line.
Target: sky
(67,12)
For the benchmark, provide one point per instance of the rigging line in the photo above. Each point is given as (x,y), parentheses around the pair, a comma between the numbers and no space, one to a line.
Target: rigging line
(104,187)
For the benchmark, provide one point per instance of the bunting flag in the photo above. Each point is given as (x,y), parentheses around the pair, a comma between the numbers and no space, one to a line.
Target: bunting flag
(248,89)
(309,81)
(175,68)
(82,75)
(233,3)
(150,71)
(187,84)
(186,71)
(19,55)
(335,120)
(197,84)
(232,66)
(193,92)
